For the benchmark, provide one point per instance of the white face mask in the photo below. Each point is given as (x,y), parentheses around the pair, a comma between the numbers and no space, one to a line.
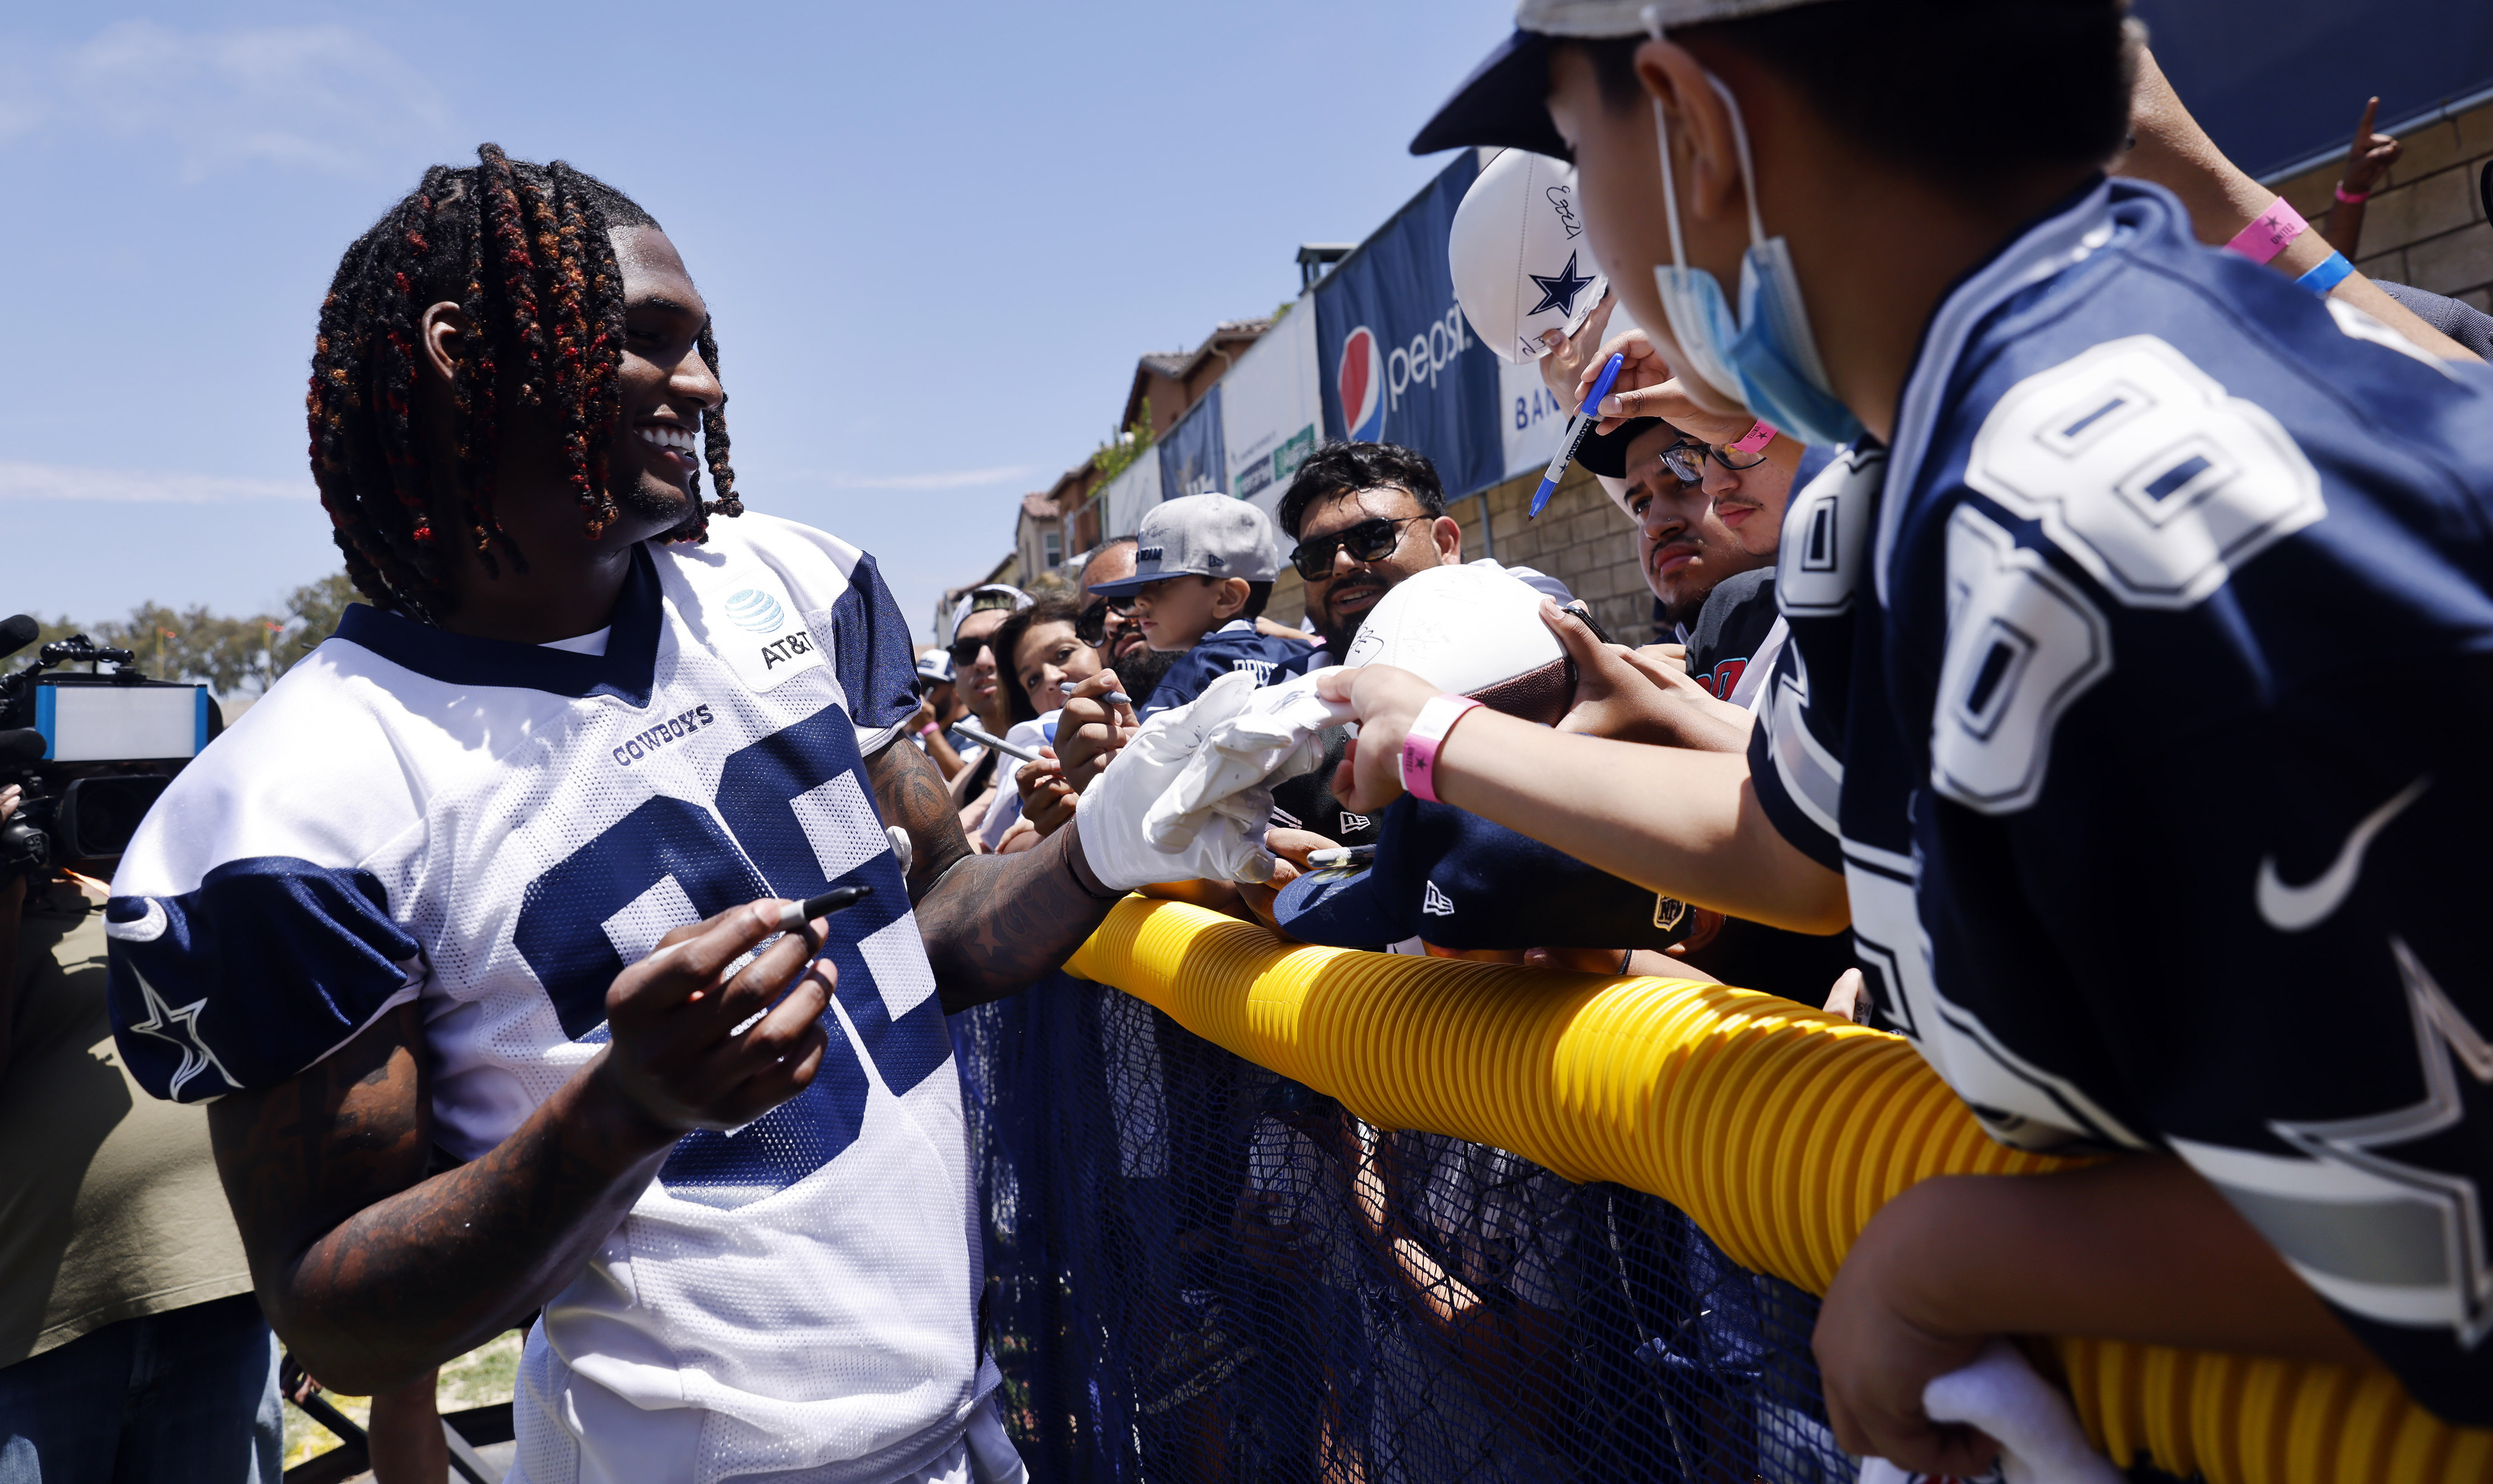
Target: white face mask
(1766,357)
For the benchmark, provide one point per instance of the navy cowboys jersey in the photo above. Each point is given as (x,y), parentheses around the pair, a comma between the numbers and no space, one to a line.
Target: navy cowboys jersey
(1234,645)
(492,831)
(2139,693)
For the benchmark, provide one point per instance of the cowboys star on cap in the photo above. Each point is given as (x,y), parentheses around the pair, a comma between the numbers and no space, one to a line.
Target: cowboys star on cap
(1558,292)
(181,1028)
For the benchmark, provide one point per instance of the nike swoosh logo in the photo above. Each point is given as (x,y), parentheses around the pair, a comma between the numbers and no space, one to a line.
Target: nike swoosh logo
(2296,908)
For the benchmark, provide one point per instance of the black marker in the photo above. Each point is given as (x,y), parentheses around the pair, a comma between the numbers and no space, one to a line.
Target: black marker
(795,915)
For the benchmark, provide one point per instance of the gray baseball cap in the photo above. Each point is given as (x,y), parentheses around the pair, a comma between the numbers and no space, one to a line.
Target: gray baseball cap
(1504,100)
(1206,535)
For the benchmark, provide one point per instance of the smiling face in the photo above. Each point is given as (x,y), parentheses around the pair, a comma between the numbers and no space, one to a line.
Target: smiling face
(1338,602)
(1048,661)
(666,385)
(652,453)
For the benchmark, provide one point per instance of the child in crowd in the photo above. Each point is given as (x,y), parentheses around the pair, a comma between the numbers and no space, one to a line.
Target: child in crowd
(1204,566)
(1040,657)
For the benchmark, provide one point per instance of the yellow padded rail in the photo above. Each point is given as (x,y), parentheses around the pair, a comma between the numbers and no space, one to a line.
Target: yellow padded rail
(1778,1128)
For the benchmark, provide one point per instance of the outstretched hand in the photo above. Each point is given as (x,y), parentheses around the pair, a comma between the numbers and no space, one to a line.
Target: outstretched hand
(1647,386)
(1635,696)
(1046,798)
(1572,364)
(2371,156)
(1091,728)
(1384,702)
(682,1051)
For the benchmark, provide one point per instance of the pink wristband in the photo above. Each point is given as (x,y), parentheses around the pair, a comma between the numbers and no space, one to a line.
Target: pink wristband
(1755,438)
(2269,233)
(1421,742)
(2352,198)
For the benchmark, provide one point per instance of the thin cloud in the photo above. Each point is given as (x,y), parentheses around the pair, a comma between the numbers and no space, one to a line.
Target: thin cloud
(326,97)
(948,479)
(132,487)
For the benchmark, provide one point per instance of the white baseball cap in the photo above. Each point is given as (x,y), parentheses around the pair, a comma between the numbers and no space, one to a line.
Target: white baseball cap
(1504,100)
(1204,535)
(989,595)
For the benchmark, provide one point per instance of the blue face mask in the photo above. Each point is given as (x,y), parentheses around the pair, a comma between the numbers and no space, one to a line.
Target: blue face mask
(1766,358)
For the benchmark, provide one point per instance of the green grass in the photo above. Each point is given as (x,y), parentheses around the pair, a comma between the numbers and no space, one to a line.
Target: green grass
(481,1378)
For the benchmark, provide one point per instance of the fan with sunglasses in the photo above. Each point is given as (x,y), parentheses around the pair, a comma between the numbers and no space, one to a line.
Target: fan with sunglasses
(1369,541)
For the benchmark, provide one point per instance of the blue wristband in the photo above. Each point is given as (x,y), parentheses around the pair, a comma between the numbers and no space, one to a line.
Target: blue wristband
(2327,274)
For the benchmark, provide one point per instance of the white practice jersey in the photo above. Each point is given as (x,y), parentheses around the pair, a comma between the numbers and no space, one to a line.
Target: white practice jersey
(494,830)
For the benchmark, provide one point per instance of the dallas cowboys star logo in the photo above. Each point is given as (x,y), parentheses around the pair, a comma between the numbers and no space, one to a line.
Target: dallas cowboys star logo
(1558,292)
(181,1028)
(2446,1041)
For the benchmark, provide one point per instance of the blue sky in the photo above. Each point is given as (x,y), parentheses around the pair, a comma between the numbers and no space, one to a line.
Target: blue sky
(932,255)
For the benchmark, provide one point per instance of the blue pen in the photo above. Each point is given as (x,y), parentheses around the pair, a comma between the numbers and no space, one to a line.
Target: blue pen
(1578,427)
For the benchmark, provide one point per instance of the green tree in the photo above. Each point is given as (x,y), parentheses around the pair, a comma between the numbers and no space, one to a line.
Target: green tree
(232,656)
(1114,457)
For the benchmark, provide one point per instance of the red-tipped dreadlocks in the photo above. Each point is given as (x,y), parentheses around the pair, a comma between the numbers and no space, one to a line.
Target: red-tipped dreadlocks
(524,250)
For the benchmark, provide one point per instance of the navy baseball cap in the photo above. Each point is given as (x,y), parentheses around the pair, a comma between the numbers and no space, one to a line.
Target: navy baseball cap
(1606,453)
(1460,881)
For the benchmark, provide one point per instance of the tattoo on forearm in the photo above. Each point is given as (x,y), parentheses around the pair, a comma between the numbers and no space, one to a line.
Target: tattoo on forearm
(910,791)
(370,1271)
(993,924)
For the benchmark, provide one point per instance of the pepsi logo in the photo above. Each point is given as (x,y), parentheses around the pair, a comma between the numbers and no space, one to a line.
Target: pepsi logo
(1360,380)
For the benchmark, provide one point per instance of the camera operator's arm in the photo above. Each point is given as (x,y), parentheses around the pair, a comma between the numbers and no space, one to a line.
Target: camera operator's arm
(373,1274)
(12,904)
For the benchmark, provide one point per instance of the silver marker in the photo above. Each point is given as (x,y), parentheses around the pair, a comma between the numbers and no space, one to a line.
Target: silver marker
(795,915)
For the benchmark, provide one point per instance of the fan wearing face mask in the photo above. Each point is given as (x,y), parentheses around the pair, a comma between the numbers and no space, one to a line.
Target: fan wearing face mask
(2051,642)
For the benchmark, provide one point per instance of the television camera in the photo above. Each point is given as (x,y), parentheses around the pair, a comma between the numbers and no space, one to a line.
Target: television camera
(90,750)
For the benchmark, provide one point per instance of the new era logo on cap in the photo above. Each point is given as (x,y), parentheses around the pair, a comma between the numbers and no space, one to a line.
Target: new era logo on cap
(1437,904)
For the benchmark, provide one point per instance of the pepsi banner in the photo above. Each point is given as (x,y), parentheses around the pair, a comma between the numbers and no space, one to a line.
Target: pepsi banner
(1396,362)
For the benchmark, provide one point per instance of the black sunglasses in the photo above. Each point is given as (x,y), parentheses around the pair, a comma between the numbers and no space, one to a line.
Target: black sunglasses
(1091,627)
(1686,460)
(1366,541)
(965,652)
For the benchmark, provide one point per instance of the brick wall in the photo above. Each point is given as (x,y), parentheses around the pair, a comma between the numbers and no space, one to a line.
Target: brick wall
(2426,225)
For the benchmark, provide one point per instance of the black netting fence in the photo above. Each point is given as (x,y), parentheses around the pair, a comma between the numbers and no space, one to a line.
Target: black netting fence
(1198,1270)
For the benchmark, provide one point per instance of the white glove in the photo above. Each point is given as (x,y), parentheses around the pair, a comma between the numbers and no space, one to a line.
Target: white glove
(1111,811)
(1271,740)
(2040,1440)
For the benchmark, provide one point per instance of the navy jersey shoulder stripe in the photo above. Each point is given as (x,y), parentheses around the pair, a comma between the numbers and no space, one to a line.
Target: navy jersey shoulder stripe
(311,952)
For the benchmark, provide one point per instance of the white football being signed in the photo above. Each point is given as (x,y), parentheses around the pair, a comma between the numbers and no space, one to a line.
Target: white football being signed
(1473,630)
(1520,260)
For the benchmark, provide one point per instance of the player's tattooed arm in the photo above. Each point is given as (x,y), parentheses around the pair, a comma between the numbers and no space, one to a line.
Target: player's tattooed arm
(374,1274)
(911,791)
(993,924)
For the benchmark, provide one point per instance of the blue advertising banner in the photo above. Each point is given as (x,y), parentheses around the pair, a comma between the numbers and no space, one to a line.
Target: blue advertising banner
(2275,82)
(1395,362)
(1193,458)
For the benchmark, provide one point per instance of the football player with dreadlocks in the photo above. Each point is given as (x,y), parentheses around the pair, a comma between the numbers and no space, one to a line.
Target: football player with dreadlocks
(507,870)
